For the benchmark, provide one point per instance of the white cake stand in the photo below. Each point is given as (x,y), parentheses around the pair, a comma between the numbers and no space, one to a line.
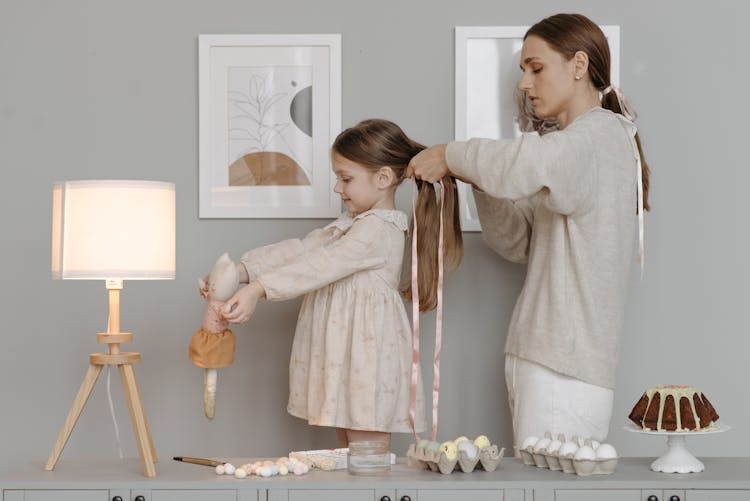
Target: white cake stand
(678,458)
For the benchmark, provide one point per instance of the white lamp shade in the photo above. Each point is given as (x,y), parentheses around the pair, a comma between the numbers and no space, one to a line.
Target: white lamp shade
(113,230)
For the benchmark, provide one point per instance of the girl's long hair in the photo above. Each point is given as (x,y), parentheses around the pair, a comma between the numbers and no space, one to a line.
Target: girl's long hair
(570,33)
(377,143)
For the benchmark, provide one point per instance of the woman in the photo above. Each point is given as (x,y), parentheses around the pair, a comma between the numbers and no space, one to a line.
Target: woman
(569,203)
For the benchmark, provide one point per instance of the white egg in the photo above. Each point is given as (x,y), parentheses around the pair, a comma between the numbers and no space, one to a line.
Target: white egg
(585,452)
(229,469)
(529,442)
(219,469)
(568,449)
(606,451)
(554,447)
(240,473)
(541,445)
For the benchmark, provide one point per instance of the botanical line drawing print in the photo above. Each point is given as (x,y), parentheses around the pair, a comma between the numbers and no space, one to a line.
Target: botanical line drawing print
(270,136)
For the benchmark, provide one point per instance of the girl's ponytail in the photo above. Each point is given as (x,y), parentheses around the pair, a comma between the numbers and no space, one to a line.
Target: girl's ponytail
(427,212)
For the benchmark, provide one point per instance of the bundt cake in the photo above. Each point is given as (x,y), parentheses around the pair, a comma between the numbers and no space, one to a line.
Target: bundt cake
(673,408)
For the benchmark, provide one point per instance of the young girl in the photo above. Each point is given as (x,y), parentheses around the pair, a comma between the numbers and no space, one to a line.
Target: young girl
(569,203)
(351,357)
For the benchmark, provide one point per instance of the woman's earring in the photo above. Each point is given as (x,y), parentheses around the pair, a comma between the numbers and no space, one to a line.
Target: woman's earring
(578,77)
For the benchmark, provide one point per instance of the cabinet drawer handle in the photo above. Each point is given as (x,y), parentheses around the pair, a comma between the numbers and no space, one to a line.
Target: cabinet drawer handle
(140,498)
(405,498)
(385,498)
(674,497)
(117,498)
(650,498)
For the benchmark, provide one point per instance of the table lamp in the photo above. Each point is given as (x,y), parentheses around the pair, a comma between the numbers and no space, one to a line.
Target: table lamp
(113,231)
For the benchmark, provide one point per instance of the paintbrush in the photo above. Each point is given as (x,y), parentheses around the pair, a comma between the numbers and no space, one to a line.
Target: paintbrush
(203,461)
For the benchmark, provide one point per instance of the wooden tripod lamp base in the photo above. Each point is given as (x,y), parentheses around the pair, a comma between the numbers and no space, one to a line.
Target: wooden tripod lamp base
(124,362)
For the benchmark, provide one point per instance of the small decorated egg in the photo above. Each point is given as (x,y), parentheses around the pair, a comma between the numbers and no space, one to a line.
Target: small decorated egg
(529,443)
(585,452)
(433,446)
(606,451)
(274,469)
(283,470)
(449,449)
(481,442)
(240,473)
(469,448)
(229,469)
(219,469)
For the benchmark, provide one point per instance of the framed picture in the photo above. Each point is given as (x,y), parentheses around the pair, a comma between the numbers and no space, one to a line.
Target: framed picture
(269,110)
(487,74)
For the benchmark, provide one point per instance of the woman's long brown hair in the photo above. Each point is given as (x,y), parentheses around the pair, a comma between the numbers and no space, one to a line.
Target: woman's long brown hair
(570,33)
(377,143)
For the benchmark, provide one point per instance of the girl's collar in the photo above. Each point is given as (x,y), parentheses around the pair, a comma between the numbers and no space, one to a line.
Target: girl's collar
(394,216)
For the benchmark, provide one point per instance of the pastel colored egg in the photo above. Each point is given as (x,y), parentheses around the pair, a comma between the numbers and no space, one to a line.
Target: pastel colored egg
(274,469)
(283,470)
(219,469)
(240,473)
(433,446)
(469,448)
(264,471)
(299,469)
(423,443)
(461,439)
(449,449)
(229,469)
(482,441)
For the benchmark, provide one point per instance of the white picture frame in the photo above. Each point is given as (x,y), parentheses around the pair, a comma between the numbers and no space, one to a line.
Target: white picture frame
(269,110)
(486,74)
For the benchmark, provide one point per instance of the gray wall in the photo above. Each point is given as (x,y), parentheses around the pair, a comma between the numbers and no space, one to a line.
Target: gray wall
(108,89)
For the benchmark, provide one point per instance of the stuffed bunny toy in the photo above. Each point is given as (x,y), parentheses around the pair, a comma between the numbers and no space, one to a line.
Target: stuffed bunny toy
(212,346)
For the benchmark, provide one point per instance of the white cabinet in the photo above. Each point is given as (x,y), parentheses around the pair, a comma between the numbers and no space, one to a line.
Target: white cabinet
(193,495)
(716,495)
(458,494)
(598,495)
(56,495)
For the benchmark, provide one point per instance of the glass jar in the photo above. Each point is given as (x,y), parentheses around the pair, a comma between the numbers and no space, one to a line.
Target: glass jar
(368,458)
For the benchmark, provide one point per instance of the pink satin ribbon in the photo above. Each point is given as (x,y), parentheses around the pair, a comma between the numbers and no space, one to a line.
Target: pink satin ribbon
(415,322)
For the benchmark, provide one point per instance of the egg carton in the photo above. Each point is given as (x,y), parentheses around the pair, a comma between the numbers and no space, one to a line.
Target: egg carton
(488,459)
(567,463)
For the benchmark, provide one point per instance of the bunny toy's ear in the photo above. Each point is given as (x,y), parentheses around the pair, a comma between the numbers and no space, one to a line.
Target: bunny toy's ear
(224,278)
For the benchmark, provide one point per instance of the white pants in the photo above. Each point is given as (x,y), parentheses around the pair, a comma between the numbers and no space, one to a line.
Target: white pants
(543,400)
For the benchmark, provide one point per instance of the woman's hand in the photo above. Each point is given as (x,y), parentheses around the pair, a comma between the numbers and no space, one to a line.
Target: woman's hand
(240,307)
(429,164)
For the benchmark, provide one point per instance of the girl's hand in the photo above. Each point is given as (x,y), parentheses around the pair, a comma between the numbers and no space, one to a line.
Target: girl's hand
(240,307)
(429,165)
(203,287)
